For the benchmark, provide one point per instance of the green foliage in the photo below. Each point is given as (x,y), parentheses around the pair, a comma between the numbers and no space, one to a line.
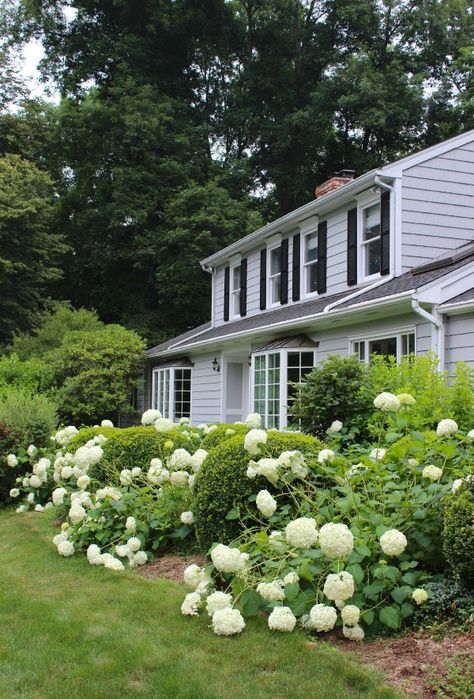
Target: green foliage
(448,603)
(94,372)
(456,680)
(221,434)
(32,418)
(32,375)
(222,483)
(335,390)
(458,533)
(87,433)
(7,476)
(53,326)
(29,245)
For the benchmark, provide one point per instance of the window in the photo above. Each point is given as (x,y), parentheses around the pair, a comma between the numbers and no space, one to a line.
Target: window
(274,278)
(370,243)
(310,263)
(235,273)
(273,376)
(171,392)
(398,346)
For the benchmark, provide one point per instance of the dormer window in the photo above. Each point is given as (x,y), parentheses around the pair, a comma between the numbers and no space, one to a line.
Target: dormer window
(274,277)
(371,240)
(310,263)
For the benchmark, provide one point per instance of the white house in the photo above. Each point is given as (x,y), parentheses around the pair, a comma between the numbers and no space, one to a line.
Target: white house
(383,263)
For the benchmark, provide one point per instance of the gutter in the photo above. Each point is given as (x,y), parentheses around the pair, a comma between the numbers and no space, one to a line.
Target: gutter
(436,320)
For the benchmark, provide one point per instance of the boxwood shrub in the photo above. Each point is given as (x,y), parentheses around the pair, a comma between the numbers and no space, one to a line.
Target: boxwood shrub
(222,483)
(221,434)
(458,533)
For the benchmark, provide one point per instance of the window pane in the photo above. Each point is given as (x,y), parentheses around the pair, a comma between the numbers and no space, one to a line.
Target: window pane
(293,375)
(236,302)
(408,344)
(307,359)
(293,358)
(236,277)
(372,222)
(311,247)
(275,261)
(373,257)
(385,347)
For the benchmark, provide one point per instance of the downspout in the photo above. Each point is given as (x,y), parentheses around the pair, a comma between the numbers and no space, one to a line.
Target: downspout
(379,282)
(211,270)
(436,320)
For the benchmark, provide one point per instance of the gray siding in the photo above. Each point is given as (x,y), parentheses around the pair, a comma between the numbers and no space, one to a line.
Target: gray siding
(206,389)
(459,341)
(437,206)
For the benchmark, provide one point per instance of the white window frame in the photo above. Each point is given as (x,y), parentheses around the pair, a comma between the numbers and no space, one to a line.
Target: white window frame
(374,336)
(234,295)
(364,201)
(305,266)
(283,399)
(165,402)
(271,276)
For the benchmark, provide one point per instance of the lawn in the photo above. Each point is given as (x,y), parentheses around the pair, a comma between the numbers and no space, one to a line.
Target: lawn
(69,630)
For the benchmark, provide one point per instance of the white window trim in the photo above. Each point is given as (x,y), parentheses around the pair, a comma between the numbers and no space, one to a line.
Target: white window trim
(233,292)
(283,403)
(271,302)
(304,267)
(377,335)
(155,384)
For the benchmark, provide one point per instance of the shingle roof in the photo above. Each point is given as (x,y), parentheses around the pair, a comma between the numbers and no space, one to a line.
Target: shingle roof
(412,280)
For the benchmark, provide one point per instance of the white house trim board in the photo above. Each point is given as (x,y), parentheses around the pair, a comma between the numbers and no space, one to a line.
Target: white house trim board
(449,286)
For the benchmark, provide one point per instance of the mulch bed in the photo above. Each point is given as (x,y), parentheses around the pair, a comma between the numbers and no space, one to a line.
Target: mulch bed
(408,663)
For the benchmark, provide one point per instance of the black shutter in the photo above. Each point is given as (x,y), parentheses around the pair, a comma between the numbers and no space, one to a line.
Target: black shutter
(243,287)
(296,267)
(263,279)
(284,272)
(226,292)
(385,233)
(322,256)
(352,247)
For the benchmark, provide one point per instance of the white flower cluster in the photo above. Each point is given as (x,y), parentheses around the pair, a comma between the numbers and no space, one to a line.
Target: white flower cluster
(127,475)
(163,425)
(282,619)
(377,454)
(326,456)
(334,427)
(387,402)
(272,591)
(157,473)
(253,439)
(322,618)
(227,622)
(353,633)
(266,503)
(302,532)
(336,540)
(350,615)
(217,601)
(253,421)
(447,428)
(149,417)
(64,436)
(393,542)
(419,595)
(12,461)
(339,587)
(268,468)
(433,473)
(196,577)
(228,560)
(293,461)
(187,517)
(406,399)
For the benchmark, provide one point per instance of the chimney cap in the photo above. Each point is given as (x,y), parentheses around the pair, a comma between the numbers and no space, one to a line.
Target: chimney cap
(345,173)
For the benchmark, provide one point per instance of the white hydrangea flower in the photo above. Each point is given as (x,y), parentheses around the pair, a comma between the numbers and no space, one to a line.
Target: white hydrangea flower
(76,513)
(266,503)
(251,473)
(322,617)
(163,425)
(230,432)
(295,462)
(21,508)
(106,423)
(126,477)
(228,560)
(277,541)
(158,475)
(433,473)
(94,555)
(291,578)
(35,481)
(253,439)
(393,542)
(191,604)
(12,461)
(377,454)
(187,517)
(326,455)
(180,459)
(271,591)
(66,548)
(134,544)
(470,435)
(140,558)
(48,505)
(197,459)
(282,619)
(353,633)
(83,482)
(39,508)
(419,595)
(447,428)
(336,540)
(350,615)
(32,451)
(191,481)
(253,421)
(14,493)
(62,536)
(194,575)
(413,463)
(268,468)
(150,416)
(25,482)
(179,478)
(339,586)
(227,622)
(112,563)
(406,399)
(218,600)
(131,523)
(123,551)
(66,472)
(31,498)
(387,402)
(136,470)
(456,484)
(334,427)
(302,532)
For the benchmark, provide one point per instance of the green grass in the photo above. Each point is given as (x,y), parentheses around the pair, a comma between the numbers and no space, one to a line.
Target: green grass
(68,629)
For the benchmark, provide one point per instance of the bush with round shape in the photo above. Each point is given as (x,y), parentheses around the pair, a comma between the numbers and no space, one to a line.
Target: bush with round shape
(458,533)
(222,483)
(222,433)
(87,433)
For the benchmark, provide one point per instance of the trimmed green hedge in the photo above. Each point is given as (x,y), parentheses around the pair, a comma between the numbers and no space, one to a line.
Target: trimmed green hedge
(221,435)
(222,483)
(458,533)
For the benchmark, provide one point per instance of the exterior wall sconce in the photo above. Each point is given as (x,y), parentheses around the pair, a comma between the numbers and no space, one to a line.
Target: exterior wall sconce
(216,365)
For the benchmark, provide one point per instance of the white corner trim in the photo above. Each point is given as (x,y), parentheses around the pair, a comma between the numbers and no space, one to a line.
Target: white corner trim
(449,286)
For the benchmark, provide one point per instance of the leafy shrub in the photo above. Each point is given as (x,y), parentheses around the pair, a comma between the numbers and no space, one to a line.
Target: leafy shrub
(87,433)
(221,434)
(32,374)
(335,390)
(7,446)
(447,602)
(222,483)
(458,533)
(31,417)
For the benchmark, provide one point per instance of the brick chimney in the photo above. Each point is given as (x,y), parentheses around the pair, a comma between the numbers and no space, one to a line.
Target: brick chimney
(340,178)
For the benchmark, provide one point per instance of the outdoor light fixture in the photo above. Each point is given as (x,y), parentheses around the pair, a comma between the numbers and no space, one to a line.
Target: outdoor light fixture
(215,364)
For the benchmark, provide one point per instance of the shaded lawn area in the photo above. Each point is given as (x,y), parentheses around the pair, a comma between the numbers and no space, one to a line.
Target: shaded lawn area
(68,629)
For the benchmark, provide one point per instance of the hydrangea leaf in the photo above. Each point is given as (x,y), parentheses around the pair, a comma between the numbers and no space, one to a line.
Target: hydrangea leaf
(390,616)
